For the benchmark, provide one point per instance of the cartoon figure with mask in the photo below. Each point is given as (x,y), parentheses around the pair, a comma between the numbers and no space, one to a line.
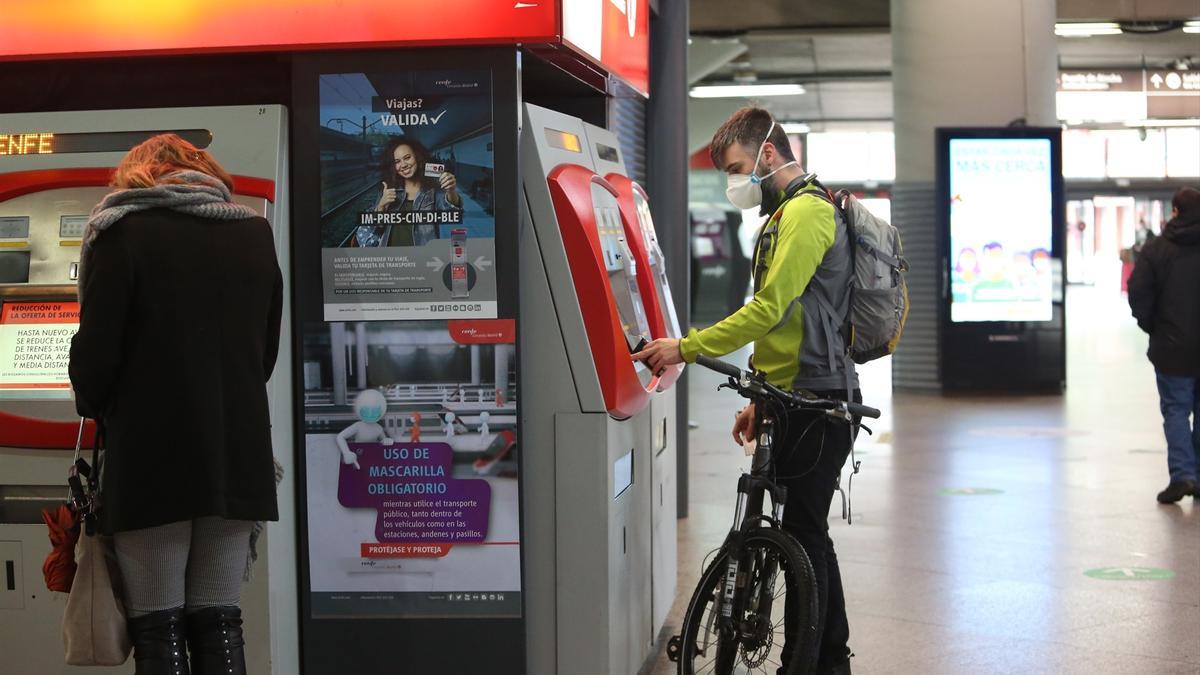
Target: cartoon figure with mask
(370,406)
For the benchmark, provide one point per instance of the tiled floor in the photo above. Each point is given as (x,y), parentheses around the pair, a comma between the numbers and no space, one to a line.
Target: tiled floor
(995,583)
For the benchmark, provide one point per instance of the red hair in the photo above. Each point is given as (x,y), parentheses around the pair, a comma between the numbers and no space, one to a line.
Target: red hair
(148,163)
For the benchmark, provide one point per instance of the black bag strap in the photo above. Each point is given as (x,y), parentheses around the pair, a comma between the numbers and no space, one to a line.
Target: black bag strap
(84,478)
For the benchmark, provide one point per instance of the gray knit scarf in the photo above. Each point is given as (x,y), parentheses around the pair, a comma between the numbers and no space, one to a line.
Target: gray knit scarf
(196,193)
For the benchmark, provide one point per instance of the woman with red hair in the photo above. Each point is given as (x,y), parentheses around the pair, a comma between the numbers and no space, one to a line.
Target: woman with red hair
(181,297)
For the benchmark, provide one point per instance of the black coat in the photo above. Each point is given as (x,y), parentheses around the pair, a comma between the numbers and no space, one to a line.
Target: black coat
(178,334)
(1164,293)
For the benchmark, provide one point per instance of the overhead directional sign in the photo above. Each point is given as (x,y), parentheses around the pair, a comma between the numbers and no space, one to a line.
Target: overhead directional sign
(1172,93)
(1124,94)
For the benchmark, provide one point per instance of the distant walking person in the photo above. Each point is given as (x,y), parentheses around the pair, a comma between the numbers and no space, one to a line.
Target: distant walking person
(1164,293)
(179,329)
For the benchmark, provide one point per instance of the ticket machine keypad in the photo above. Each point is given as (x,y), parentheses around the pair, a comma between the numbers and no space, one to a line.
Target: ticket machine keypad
(45,230)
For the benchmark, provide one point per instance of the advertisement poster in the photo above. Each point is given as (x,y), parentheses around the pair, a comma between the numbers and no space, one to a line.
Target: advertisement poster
(35,347)
(408,220)
(1001,229)
(411,442)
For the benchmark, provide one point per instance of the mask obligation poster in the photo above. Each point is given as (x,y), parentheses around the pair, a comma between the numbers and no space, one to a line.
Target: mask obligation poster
(407,196)
(413,499)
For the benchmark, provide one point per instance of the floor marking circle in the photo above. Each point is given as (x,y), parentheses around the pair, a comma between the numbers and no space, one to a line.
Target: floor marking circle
(1130,573)
(971,491)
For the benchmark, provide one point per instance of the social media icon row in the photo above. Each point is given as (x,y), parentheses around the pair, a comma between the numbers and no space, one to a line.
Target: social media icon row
(476,597)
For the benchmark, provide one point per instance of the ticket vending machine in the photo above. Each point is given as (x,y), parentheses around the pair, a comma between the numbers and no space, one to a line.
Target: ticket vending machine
(54,167)
(596,416)
(660,311)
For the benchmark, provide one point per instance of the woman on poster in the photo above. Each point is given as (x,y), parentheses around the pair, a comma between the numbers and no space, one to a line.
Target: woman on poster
(412,183)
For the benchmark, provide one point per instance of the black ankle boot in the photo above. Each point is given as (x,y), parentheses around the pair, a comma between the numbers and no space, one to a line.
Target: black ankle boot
(214,636)
(158,643)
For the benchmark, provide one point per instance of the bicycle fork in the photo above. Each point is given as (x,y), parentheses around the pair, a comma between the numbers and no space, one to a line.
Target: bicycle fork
(748,515)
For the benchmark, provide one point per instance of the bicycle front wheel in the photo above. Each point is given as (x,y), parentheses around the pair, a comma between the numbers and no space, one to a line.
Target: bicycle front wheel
(775,631)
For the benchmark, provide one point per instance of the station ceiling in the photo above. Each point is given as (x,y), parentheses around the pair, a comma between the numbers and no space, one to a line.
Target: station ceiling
(841,51)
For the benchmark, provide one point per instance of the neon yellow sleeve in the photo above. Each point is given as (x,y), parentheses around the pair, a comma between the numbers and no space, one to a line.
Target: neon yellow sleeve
(806,231)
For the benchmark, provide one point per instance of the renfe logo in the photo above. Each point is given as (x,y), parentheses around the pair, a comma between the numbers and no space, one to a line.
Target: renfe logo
(629,9)
(614,33)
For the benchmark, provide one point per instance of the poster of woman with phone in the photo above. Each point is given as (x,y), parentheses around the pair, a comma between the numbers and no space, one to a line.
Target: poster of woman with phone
(411,182)
(408,222)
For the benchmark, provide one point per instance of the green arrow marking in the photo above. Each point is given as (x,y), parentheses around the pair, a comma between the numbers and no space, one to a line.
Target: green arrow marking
(1130,573)
(971,491)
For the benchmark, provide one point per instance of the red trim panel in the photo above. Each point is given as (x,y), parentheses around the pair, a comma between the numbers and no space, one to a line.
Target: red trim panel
(26,432)
(571,192)
(90,28)
(646,286)
(17,183)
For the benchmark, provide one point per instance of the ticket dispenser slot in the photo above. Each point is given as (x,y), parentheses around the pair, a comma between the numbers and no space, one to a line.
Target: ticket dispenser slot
(604,272)
(652,281)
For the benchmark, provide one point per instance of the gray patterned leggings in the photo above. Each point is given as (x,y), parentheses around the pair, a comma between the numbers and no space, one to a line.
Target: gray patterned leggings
(195,563)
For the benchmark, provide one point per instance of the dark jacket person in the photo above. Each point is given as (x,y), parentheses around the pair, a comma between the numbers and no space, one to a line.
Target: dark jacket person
(1164,293)
(181,299)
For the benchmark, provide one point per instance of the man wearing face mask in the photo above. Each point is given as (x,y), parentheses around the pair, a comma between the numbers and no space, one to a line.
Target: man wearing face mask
(802,271)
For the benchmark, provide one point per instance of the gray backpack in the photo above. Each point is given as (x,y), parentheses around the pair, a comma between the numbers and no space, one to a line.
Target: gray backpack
(878,291)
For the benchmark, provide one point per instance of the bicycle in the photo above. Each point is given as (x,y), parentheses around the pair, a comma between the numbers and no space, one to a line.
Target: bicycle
(744,619)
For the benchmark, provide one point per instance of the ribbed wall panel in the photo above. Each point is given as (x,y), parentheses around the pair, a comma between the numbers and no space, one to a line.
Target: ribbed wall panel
(916,364)
(627,119)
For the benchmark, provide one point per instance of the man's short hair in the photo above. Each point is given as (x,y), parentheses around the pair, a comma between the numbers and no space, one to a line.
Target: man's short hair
(1186,201)
(749,127)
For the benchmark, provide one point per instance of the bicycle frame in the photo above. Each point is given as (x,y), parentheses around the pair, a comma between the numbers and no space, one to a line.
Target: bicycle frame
(748,514)
(743,596)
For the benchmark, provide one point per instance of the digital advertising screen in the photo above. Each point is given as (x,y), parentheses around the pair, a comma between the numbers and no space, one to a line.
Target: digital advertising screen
(408,221)
(1001,229)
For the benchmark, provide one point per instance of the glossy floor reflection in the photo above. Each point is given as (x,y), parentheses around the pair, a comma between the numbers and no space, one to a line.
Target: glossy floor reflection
(976,520)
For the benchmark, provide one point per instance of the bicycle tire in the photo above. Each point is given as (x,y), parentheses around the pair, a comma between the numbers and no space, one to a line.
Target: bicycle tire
(801,595)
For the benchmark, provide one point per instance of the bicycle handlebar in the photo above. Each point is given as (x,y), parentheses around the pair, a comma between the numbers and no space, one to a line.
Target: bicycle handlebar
(863,410)
(719,366)
(748,383)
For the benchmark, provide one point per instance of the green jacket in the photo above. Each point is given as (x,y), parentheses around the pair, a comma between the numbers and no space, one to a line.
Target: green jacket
(803,253)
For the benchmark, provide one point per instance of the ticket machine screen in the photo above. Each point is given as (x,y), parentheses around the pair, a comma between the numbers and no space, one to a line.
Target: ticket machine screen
(14,267)
(658,266)
(621,267)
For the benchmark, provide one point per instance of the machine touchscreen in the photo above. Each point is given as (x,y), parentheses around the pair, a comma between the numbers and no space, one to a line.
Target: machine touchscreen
(657,262)
(621,266)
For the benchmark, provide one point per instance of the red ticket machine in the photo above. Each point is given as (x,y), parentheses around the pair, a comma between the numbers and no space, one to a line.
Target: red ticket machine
(608,284)
(634,204)
(652,273)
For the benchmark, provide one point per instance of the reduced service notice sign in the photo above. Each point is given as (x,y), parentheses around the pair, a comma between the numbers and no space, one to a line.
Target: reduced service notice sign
(35,344)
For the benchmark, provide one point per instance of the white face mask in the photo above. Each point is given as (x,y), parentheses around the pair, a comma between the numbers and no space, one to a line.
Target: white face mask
(745,190)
